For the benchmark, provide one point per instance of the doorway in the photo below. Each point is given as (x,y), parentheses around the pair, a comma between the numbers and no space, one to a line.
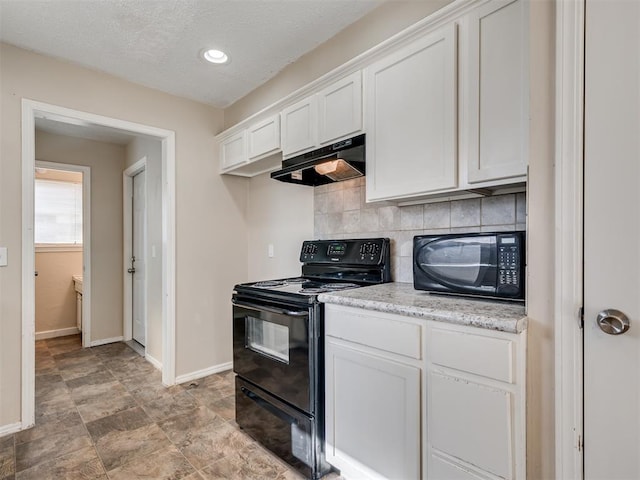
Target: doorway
(62,236)
(135,256)
(30,111)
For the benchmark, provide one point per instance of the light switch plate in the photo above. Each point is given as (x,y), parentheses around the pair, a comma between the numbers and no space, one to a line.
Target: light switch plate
(3,257)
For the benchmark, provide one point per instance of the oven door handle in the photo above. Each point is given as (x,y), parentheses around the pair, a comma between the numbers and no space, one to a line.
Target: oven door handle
(279,311)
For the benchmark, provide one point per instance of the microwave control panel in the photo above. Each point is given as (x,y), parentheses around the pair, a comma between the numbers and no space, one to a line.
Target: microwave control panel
(509,268)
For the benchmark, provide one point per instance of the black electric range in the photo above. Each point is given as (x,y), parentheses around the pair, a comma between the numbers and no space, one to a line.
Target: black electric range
(278,347)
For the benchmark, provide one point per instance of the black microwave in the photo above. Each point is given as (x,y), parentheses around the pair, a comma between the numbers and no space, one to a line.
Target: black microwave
(488,265)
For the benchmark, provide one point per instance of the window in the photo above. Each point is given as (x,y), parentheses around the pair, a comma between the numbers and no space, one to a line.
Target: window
(58,212)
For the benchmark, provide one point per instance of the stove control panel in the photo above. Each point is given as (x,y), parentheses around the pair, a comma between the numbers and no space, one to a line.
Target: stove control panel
(373,251)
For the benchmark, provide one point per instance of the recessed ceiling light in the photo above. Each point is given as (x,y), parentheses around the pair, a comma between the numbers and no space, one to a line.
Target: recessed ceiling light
(215,56)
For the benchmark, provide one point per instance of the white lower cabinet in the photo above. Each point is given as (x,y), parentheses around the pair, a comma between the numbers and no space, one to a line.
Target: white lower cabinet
(373,399)
(475,403)
(408,398)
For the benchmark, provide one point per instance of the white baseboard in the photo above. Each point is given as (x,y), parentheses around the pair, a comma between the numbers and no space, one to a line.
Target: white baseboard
(61,332)
(204,372)
(104,341)
(153,361)
(10,428)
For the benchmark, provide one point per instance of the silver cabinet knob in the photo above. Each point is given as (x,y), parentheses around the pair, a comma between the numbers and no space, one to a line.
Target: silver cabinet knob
(613,321)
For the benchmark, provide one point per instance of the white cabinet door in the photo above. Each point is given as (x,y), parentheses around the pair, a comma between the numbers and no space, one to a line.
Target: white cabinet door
(233,151)
(497,91)
(411,119)
(475,406)
(373,414)
(300,127)
(263,138)
(340,109)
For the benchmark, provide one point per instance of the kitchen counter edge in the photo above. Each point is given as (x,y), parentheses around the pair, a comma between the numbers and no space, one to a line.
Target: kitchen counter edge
(403,299)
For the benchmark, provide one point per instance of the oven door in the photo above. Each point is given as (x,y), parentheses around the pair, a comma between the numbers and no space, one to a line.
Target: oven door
(272,349)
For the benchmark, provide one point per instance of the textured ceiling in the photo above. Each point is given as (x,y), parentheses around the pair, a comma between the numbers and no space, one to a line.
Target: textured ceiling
(157,42)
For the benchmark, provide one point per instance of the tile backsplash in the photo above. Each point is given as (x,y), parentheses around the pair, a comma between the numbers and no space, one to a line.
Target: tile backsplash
(342,212)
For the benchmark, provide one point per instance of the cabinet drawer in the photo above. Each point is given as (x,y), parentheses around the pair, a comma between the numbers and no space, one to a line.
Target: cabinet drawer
(375,330)
(477,354)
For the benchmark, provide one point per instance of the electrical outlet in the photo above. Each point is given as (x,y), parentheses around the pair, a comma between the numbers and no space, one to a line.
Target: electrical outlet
(270,250)
(3,257)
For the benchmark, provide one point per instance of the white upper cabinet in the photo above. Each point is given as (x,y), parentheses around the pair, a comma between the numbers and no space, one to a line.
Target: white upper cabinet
(233,151)
(497,89)
(340,109)
(410,105)
(333,114)
(300,127)
(263,138)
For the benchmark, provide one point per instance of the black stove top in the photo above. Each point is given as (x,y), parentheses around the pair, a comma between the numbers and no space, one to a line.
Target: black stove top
(301,285)
(329,266)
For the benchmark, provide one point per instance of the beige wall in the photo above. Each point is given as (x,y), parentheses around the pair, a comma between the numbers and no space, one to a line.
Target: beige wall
(211,237)
(152,150)
(106,161)
(279,214)
(55,292)
(375,27)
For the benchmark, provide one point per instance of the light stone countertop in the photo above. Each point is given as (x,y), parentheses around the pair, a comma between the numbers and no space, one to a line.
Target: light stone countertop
(403,299)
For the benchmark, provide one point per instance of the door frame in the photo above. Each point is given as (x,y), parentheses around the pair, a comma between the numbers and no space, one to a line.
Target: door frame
(127,232)
(86,240)
(569,235)
(31,110)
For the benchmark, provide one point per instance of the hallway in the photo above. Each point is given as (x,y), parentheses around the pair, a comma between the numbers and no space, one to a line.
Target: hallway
(102,413)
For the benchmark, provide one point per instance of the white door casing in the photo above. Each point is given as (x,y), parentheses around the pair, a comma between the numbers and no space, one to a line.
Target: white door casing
(612,238)
(30,110)
(139,257)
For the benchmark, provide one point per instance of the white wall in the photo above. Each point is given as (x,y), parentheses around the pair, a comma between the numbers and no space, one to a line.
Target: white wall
(279,214)
(211,237)
(152,150)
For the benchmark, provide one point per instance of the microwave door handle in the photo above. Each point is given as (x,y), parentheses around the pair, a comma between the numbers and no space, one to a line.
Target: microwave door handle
(279,311)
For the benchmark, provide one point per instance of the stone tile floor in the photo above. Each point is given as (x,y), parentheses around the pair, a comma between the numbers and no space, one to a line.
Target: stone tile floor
(102,413)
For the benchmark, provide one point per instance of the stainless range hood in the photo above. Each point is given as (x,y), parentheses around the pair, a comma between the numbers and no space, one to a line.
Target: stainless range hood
(334,163)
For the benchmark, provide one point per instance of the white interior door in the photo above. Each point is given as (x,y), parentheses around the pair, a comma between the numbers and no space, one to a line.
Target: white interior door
(612,239)
(139,311)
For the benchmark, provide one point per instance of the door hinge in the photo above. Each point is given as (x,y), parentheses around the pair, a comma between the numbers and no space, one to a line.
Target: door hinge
(580,443)
(581,317)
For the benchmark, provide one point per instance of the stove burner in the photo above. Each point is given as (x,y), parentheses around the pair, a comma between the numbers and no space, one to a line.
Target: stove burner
(313,290)
(296,280)
(270,283)
(339,286)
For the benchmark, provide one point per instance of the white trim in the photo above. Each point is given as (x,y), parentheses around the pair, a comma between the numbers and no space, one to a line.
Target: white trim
(28,374)
(53,248)
(187,377)
(569,237)
(153,361)
(169,259)
(11,428)
(30,110)
(61,332)
(127,233)
(86,238)
(105,341)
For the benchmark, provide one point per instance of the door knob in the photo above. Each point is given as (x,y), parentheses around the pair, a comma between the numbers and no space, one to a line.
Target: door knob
(613,321)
